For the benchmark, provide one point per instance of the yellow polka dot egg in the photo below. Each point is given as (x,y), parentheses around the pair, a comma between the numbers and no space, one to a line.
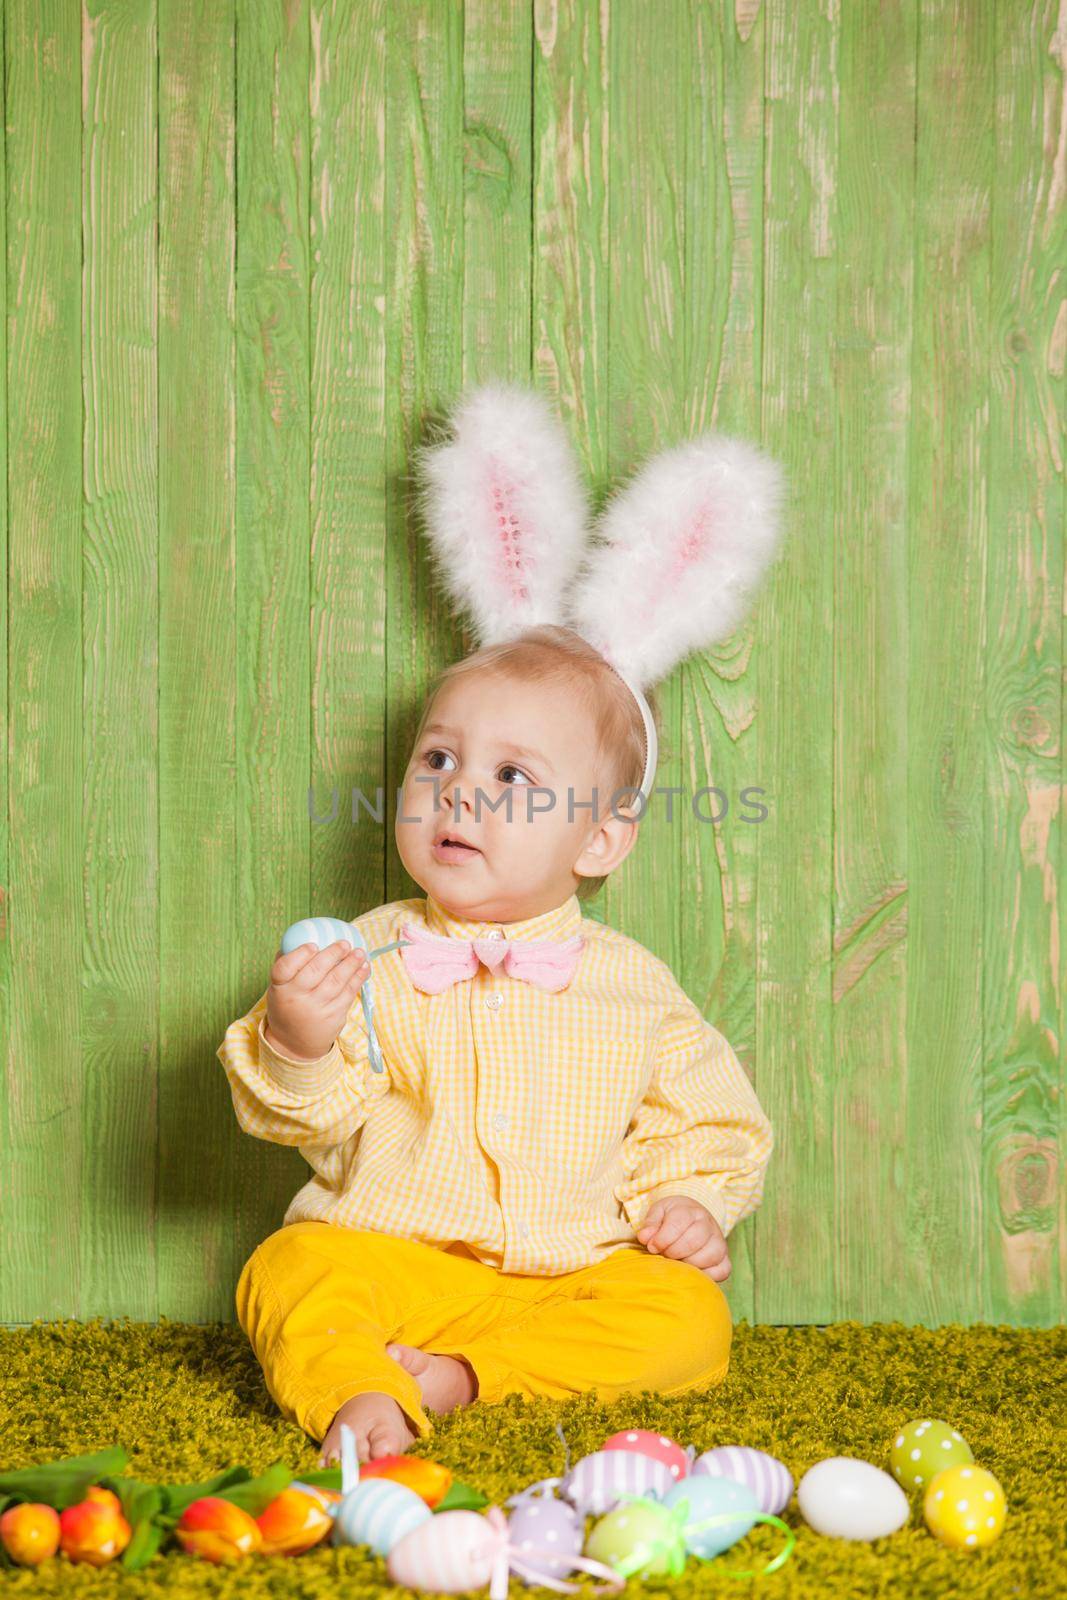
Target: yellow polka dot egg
(965,1507)
(922,1449)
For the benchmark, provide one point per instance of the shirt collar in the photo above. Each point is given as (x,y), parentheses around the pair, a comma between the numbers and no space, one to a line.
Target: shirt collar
(560,923)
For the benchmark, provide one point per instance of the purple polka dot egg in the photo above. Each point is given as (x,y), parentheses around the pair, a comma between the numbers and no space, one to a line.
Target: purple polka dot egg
(544,1535)
(599,1481)
(769,1480)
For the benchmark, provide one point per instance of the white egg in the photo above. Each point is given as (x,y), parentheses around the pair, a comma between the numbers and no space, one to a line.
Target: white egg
(851,1499)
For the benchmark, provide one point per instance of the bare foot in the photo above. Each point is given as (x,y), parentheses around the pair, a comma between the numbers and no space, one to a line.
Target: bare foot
(380,1425)
(445,1381)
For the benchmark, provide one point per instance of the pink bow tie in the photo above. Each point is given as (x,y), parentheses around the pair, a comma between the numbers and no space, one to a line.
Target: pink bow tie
(435,962)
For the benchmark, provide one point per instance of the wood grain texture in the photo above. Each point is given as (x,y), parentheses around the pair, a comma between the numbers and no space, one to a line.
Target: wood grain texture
(255,249)
(45,1188)
(794,642)
(199,822)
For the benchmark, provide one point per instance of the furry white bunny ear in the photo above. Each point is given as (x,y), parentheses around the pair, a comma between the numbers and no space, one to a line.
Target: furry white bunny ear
(504,510)
(687,541)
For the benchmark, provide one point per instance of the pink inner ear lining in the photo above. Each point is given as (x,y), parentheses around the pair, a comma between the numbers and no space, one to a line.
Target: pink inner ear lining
(513,560)
(696,536)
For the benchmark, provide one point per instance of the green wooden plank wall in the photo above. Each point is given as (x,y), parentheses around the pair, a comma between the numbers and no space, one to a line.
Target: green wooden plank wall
(253,249)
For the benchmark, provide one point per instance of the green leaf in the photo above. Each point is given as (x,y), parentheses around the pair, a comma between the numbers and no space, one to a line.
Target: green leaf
(322,1478)
(461,1497)
(62,1483)
(256,1495)
(178,1496)
(145,1541)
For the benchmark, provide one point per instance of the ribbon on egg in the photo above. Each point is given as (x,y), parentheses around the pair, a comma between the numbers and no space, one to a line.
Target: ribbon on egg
(506,1559)
(671,1543)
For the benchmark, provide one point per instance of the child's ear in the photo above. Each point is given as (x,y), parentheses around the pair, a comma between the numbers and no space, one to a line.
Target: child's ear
(611,843)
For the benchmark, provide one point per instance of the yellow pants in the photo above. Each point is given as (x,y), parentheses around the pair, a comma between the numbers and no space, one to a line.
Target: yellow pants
(319,1302)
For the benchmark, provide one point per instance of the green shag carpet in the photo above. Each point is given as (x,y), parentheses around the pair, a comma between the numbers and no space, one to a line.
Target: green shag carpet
(187,1401)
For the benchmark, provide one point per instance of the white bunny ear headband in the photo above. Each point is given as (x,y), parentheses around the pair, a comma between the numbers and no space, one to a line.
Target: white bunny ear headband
(680,549)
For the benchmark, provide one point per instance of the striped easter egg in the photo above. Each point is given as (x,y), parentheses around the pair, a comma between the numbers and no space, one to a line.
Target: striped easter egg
(769,1480)
(322,931)
(318,930)
(598,1481)
(452,1552)
(378,1512)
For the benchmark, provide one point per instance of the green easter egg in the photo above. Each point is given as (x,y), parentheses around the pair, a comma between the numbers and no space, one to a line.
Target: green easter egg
(623,1530)
(922,1449)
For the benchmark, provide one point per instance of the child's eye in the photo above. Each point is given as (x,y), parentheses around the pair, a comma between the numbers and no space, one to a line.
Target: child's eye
(507,767)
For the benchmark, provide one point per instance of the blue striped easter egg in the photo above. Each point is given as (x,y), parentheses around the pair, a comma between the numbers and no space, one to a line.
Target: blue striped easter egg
(320,931)
(378,1512)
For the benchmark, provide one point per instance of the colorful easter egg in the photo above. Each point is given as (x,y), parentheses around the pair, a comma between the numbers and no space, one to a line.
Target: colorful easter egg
(30,1532)
(379,1513)
(965,1507)
(429,1479)
(217,1530)
(452,1551)
(709,1497)
(293,1522)
(93,1531)
(851,1499)
(640,1536)
(924,1448)
(320,931)
(551,1531)
(656,1445)
(769,1480)
(599,1481)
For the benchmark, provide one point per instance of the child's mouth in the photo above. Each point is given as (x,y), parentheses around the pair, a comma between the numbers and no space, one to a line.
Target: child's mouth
(448,850)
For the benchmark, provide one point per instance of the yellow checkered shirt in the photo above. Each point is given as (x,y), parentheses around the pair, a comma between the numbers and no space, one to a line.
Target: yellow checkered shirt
(535,1127)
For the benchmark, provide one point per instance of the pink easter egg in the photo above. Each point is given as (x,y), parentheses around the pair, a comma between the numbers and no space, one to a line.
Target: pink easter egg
(770,1481)
(452,1551)
(656,1445)
(544,1536)
(599,1481)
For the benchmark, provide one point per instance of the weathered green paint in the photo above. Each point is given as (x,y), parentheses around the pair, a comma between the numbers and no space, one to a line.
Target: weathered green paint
(254,250)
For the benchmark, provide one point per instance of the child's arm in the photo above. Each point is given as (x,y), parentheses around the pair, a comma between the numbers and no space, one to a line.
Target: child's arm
(700,1130)
(291,1102)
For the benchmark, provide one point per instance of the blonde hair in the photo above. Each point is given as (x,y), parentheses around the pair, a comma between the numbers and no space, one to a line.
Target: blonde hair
(550,652)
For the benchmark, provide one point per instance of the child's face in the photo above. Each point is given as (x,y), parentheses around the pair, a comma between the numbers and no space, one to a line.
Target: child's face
(488,741)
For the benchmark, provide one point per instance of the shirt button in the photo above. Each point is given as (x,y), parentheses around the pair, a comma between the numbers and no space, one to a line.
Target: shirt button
(524,1230)
(494,933)
(494,1000)
(500,1120)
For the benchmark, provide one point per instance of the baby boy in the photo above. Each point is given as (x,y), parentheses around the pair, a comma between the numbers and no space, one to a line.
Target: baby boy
(534,1195)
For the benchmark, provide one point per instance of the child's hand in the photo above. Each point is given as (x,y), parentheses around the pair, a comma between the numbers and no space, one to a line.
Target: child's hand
(683,1228)
(310,994)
